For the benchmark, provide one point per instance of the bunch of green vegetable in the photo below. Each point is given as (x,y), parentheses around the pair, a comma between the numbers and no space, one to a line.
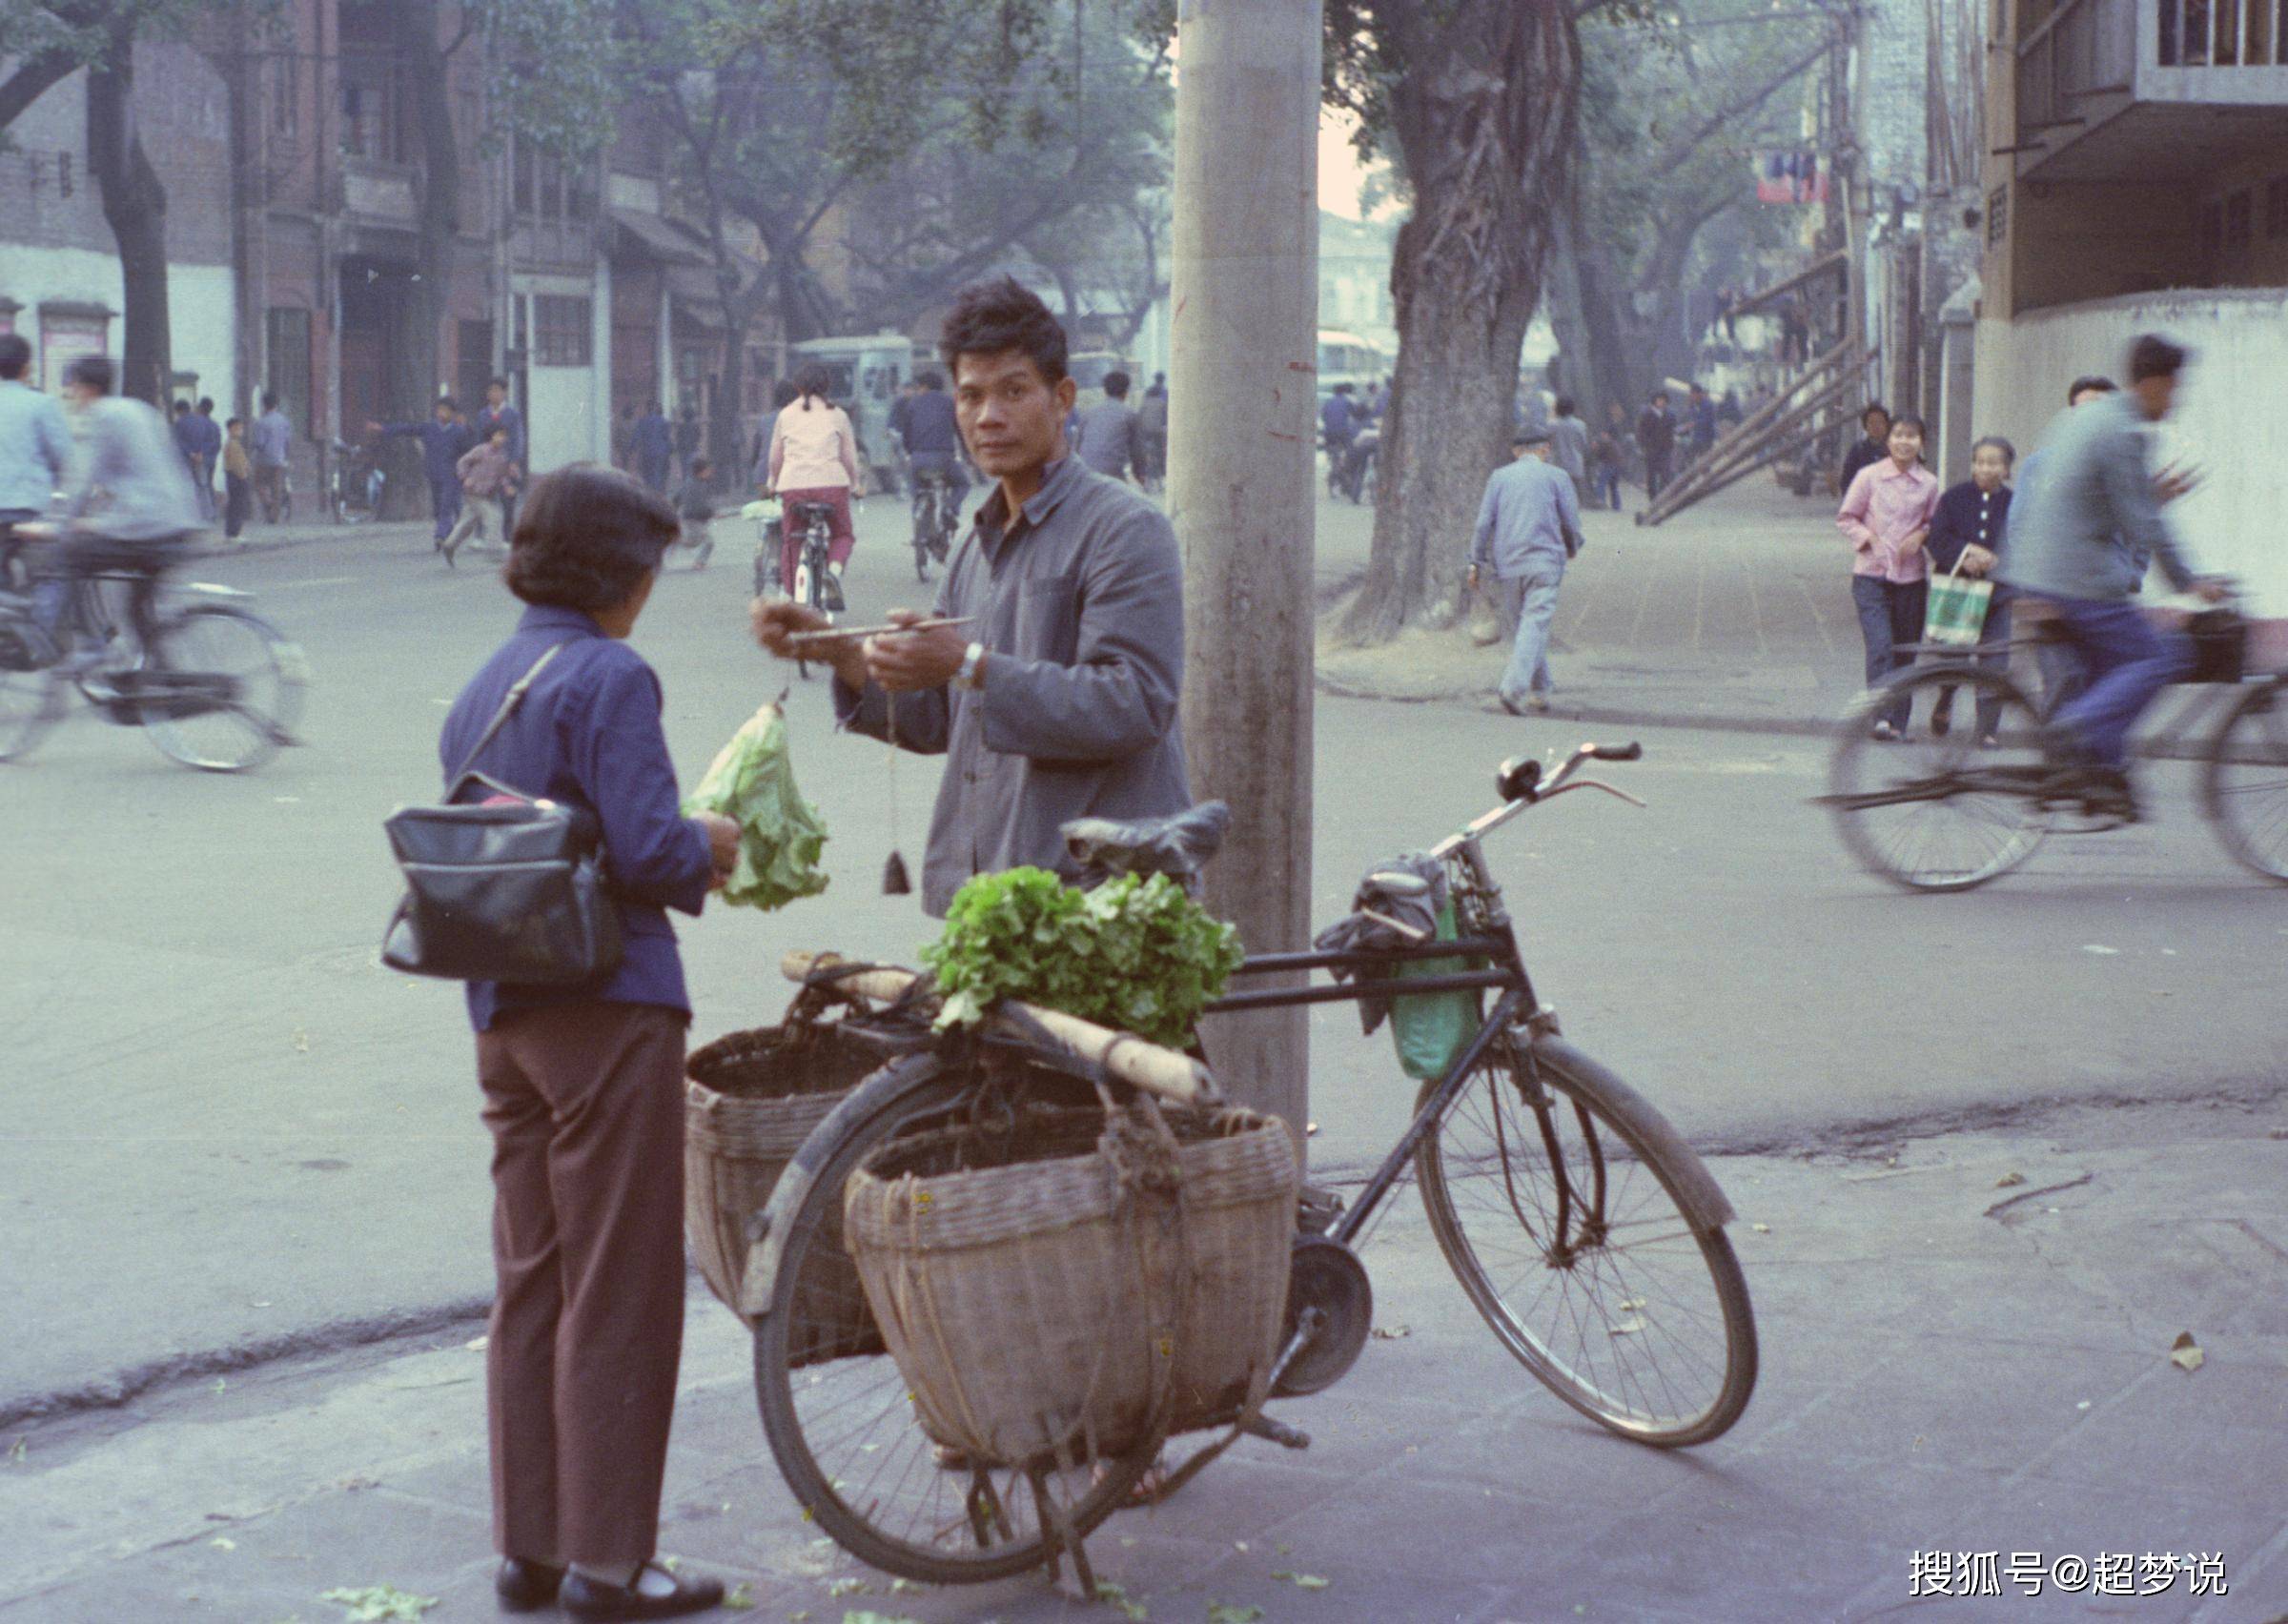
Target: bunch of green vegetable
(781,835)
(1137,955)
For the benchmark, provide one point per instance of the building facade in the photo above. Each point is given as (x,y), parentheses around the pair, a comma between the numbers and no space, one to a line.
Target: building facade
(2138,182)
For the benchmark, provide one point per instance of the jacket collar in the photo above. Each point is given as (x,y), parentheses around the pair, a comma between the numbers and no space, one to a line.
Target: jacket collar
(1059,480)
(556,618)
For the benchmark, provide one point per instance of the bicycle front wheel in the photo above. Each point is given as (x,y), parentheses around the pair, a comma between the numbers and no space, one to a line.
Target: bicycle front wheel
(1941,812)
(2245,783)
(840,1419)
(259,679)
(1564,1207)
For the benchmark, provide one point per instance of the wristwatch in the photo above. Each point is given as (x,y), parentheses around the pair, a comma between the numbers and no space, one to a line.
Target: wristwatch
(971,673)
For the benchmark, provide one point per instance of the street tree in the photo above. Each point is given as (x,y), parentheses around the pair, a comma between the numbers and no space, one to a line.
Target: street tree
(1475,100)
(47,44)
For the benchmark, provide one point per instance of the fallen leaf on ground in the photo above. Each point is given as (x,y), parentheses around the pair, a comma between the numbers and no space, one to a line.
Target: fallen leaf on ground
(381,1604)
(741,1598)
(1224,1612)
(906,1586)
(1112,1594)
(847,1587)
(1627,1327)
(1302,1581)
(1392,1332)
(2010,1181)
(221,1544)
(868,1616)
(1761,1228)
(477,1343)
(2102,951)
(2185,1353)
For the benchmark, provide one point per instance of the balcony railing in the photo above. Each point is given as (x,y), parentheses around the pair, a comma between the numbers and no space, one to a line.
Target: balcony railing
(2220,33)
(2094,60)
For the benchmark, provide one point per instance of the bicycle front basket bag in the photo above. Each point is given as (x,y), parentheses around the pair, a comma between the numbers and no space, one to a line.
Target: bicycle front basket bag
(1431,1029)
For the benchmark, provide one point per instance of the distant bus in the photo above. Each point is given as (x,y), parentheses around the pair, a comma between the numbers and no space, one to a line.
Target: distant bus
(1345,357)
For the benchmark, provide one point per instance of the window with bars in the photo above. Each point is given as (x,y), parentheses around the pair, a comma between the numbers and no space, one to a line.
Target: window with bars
(1997,217)
(563,331)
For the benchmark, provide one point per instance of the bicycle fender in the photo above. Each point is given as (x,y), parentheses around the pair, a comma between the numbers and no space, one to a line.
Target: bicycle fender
(767,1230)
(1698,1193)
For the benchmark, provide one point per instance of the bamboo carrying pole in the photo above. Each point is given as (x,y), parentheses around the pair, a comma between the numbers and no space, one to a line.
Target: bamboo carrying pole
(1141,1065)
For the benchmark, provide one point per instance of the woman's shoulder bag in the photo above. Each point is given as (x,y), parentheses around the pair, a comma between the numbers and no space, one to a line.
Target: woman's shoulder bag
(507,888)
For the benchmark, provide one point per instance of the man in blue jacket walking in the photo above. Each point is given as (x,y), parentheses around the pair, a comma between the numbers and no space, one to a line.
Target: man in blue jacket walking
(444,439)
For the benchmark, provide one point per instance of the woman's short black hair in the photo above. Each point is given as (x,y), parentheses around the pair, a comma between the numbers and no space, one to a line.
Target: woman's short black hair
(587,537)
(996,316)
(2009,452)
(1908,420)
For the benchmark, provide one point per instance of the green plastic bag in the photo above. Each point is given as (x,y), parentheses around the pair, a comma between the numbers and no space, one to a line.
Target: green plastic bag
(1431,1029)
(751,782)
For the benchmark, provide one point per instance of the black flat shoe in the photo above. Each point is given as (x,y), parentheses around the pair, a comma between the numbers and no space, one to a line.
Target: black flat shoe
(525,1587)
(583,1598)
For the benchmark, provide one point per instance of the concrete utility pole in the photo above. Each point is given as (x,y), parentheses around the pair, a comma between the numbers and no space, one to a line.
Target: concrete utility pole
(1242,404)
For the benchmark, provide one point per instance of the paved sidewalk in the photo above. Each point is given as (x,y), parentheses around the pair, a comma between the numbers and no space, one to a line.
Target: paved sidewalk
(1735,614)
(1966,1349)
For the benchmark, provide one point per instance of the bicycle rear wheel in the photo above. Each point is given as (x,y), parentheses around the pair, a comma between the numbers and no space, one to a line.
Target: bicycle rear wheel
(837,1412)
(1564,1207)
(1939,812)
(262,676)
(31,692)
(2245,783)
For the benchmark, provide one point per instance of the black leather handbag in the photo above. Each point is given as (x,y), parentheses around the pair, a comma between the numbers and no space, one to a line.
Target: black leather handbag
(507,888)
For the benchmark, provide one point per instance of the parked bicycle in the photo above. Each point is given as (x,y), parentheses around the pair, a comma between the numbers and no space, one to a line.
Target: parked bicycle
(210,684)
(936,515)
(771,532)
(1587,1234)
(1938,812)
(354,496)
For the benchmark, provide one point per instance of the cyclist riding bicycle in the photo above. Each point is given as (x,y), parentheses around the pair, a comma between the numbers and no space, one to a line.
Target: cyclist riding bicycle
(932,441)
(34,447)
(128,504)
(2077,528)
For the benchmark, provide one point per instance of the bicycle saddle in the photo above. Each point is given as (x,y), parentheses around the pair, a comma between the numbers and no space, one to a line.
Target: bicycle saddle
(1179,845)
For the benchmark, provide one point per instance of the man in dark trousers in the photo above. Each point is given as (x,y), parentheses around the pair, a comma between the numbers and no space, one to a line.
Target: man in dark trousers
(444,439)
(1656,438)
(1338,427)
(1701,413)
(654,447)
(1056,699)
(499,413)
(687,438)
(206,444)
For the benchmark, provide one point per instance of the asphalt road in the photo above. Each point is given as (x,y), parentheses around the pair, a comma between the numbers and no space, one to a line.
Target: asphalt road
(227,1129)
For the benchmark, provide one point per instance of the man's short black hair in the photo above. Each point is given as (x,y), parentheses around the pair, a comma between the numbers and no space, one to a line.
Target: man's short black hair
(1343,389)
(2009,452)
(2091,383)
(236,423)
(1659,394)
(500,383)
(587,537)
(270,400)
(1116,384)
(996,316)
(206,405)
(2152,356)
(92,372)
(1565,405)
(447,403)
(1870,409)
(15,355)
(182,408)
(929,377)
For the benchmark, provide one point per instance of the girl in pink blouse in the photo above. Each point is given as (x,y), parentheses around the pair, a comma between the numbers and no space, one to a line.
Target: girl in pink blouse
(813,458)
(1887,517)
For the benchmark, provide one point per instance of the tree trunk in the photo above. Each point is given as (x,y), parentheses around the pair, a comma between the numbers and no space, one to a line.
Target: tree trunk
(1485,120)
(415,361)
(134,203)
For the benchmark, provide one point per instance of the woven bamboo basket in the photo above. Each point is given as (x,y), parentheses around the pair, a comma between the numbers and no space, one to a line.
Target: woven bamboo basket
(749,1101)
(1069,1293)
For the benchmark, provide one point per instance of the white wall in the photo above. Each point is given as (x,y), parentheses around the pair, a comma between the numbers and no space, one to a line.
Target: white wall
(2231,406)
(201,311)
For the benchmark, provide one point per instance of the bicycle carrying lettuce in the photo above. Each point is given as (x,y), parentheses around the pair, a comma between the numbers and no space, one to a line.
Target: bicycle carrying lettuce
(1136,955)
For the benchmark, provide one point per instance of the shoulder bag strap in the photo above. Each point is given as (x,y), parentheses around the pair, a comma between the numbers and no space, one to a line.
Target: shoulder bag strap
(509,702)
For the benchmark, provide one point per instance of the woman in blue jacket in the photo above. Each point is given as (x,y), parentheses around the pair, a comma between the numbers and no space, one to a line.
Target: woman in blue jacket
(1969,526)
(584,1084)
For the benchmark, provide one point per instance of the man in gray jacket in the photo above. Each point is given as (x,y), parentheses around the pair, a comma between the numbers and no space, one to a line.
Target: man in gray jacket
(1112,438)
(2079,529)
(1528,529)
(1056,697)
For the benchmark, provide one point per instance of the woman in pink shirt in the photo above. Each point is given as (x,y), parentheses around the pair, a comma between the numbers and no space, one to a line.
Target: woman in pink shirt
(814,458)
(1886,515)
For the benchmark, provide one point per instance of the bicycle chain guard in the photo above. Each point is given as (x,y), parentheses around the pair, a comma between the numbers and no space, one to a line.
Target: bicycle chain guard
(1326,1275)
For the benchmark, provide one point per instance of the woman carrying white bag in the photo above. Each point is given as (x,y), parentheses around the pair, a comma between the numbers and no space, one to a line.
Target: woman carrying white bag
(1966,609)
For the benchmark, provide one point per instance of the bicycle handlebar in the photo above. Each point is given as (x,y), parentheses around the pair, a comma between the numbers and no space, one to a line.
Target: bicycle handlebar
(1522,783)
